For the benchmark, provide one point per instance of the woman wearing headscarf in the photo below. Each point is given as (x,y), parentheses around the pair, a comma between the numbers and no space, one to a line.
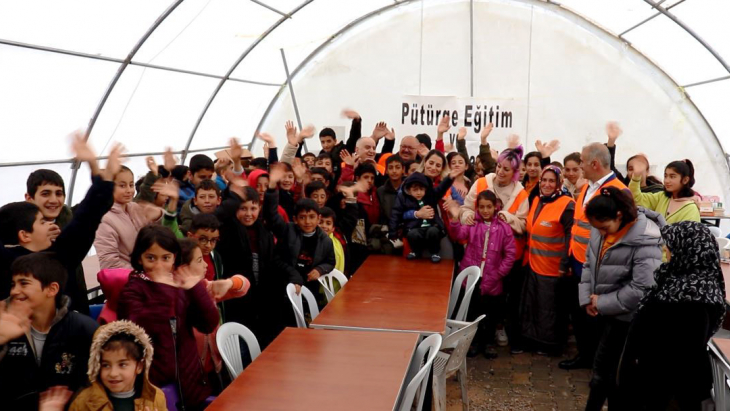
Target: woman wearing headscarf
(623,252)
(548,231)
(665,360)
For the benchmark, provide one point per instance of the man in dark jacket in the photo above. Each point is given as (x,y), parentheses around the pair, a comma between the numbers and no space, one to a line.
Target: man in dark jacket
(55,351)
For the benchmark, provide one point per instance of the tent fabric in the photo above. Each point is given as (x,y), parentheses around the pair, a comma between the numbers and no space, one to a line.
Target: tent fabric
(205,70)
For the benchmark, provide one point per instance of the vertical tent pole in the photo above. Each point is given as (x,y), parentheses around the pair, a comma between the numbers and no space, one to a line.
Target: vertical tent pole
(293,98)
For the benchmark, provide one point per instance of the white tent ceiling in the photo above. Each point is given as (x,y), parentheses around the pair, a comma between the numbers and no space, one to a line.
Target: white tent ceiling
(190,74)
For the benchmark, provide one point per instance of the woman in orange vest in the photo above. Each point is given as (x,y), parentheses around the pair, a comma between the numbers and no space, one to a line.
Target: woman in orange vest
(505,184)
(548,244)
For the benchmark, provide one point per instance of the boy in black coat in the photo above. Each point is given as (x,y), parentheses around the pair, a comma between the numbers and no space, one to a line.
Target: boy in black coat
(55,351)
(416,210)
(304,251)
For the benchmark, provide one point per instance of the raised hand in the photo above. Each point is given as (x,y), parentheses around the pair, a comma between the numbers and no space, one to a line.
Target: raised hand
(453,174)
(236,150)
(170,189)
(546,150)
(291,133)
(390,135)
(83,151)
(347,158)
(613,131)
(54,399)
(114,162)
(152,165)
(444,125)
(307,132)
(462,133)
(186,278)
(169,160)
(14,320)
(485,132)
(422,150)
(299,168)
(266,150)
(268,138)
(513,140)
(380,131)
(276,174)
(351,114)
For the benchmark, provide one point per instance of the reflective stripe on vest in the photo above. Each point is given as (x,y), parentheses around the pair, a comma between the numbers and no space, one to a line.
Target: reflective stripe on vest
(547,236)
(581,232)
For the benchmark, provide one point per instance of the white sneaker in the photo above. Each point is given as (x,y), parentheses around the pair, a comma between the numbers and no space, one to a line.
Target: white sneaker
(501,337)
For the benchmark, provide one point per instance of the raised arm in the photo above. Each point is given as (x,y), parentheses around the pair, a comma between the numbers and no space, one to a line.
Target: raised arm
(355,129)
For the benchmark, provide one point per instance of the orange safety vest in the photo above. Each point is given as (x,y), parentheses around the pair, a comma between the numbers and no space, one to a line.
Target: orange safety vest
(581,232)
(378,167)
(520,240)
(546,236)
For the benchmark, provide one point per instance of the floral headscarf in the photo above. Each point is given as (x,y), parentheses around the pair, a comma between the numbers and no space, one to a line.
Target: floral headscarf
(693,272)
(558,181)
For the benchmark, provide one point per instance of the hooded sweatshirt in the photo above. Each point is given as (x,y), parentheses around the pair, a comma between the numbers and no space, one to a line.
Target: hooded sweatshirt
(95,397)
(626,271)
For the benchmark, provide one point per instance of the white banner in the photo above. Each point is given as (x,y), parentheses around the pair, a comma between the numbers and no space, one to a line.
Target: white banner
(421,114)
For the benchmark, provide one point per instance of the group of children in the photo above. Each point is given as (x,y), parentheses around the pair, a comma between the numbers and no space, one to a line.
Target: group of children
(218,241)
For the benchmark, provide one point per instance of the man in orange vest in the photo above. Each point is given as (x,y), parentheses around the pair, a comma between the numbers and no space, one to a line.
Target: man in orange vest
(596,165)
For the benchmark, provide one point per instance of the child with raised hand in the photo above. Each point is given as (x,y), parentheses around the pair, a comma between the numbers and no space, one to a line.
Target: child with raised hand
(169,300)
(489,246)
(24,229)
(415,210)
(118,230)
(119,363)
(306,251)
(51,350)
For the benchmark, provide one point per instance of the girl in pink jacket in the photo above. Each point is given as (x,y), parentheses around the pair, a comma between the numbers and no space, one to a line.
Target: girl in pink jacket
(118,230)
(490,246)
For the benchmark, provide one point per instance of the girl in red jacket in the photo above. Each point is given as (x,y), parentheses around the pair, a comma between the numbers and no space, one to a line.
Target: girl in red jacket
(169,303)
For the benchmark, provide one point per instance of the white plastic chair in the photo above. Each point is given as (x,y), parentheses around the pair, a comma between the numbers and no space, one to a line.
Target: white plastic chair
(471,274)
(227,340)
(715,231)
(722,243)
(418,374)
(453,362)
(296,303)
(328,284)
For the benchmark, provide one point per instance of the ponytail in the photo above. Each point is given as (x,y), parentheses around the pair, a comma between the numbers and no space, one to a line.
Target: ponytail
(684,168)
(609,202)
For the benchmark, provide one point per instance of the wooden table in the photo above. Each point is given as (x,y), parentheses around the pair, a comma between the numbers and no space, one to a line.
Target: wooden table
(392,294)
(305,369)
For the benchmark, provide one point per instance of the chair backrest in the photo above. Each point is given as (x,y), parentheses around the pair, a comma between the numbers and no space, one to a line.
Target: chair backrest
(296,303)
(418,373)
(459,340)
(471,275)
(111,281)
(722,243)
(328,284)
(721,377)
(715,231)
(227,340)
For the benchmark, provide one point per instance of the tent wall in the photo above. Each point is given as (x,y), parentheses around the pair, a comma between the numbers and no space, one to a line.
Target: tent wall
(572,76)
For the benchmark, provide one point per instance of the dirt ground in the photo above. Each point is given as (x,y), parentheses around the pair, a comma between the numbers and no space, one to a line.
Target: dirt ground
(521,382)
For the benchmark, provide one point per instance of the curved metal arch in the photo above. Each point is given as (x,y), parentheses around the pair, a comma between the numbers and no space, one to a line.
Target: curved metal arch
(317,51)
(232,69)
(165,14)
(547,3)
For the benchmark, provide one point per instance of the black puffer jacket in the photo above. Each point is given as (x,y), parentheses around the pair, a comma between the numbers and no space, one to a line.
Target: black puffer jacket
(403,212)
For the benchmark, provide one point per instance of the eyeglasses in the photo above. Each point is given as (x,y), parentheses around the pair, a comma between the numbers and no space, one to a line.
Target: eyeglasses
(206,240)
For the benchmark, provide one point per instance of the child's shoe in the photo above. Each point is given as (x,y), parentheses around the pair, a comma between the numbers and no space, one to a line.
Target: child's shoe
(435,258)
(489,352)
(411,256)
